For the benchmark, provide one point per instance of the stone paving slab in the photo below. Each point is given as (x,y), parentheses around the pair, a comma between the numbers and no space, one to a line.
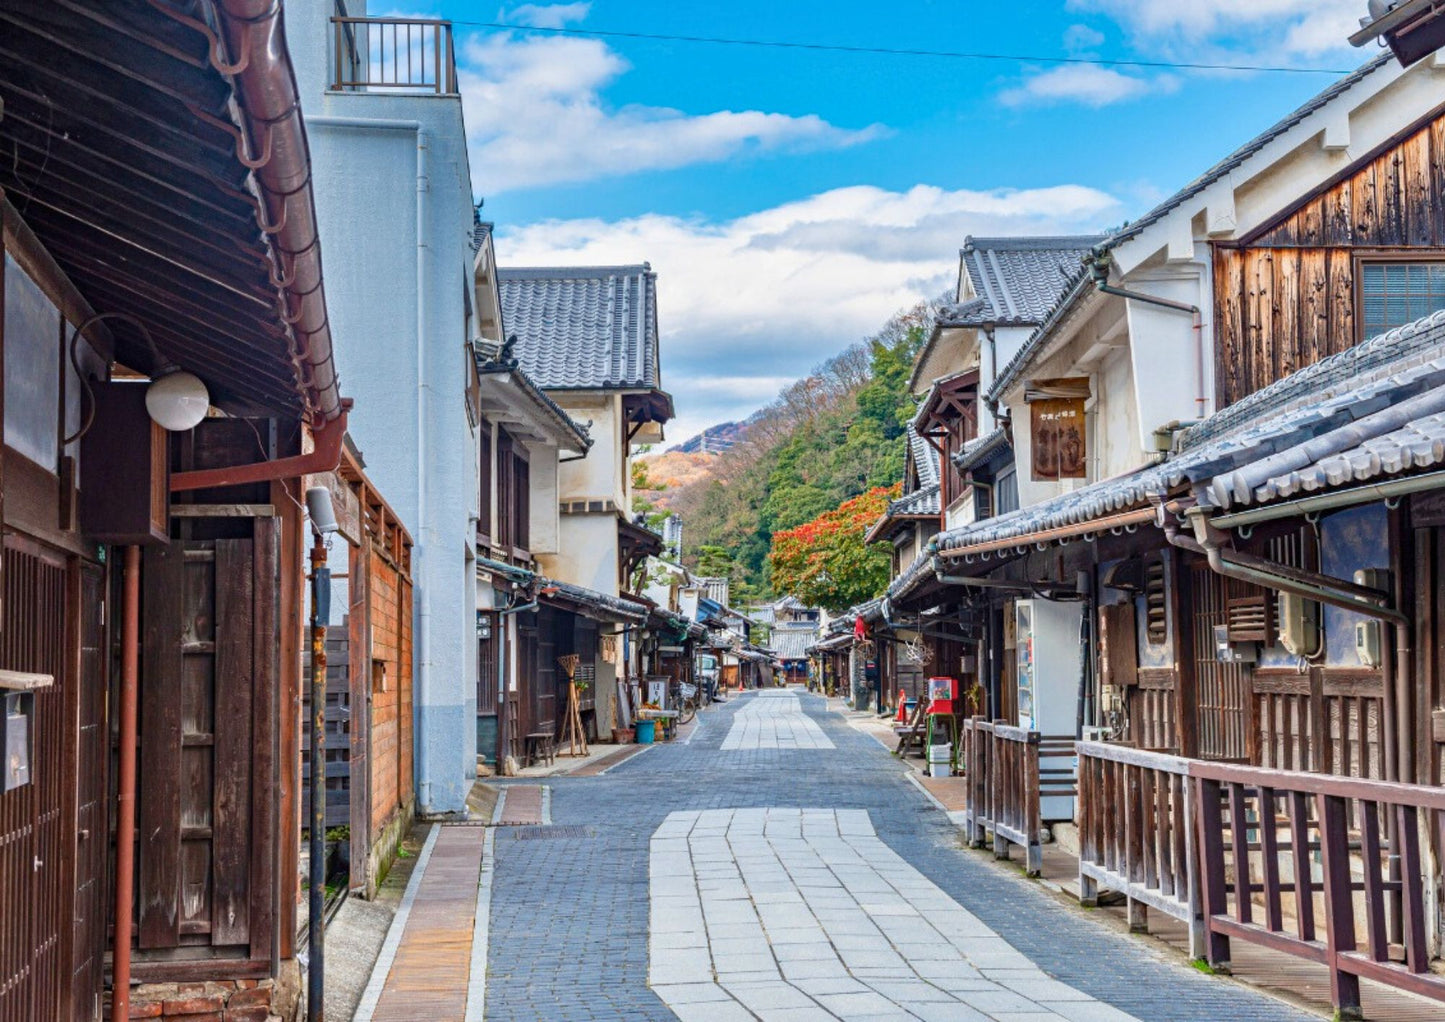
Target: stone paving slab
(570,915)
(838,881)
(774,719)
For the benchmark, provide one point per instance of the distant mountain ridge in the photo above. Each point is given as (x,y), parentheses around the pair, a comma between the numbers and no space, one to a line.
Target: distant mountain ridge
(713,440)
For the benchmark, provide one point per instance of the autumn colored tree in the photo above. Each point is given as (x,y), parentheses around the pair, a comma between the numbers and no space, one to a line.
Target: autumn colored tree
(826,563)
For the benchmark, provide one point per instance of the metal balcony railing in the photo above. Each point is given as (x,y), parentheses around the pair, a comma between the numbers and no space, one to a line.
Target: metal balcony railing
(393,55)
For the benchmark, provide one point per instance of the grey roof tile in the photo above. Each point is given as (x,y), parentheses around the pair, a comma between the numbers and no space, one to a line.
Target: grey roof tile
(926,501)
(1332,409)
(793,643)
(584,328)
(1018,279)
(925,458)
(980,448)
(1244,152)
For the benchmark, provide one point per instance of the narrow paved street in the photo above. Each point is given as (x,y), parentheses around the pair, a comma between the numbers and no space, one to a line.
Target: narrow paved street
(778,865)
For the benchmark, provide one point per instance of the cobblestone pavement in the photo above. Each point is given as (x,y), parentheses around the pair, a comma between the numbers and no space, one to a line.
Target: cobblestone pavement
(570,905)
(774,720)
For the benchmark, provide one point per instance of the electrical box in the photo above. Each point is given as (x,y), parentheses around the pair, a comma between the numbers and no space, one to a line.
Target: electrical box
(1367,631)
(1299,625)
(1227,652)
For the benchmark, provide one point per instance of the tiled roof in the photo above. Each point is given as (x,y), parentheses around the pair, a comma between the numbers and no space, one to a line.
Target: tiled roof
(1017,279)
(1075,290)
(793,643)
(1385,391)
(548,408)
(925,458)
(481,230)
(918,503)
(1244,152)
(584,328)
(980,448)
(600,606)
(1418,444)
(1066,298)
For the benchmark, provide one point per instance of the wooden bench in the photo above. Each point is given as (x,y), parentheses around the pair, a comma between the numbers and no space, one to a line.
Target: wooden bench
(541,744)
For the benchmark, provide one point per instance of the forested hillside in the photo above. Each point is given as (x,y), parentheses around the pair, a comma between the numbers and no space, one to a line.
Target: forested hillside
(829,437)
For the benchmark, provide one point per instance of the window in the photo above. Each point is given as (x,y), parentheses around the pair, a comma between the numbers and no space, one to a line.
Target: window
(1393,294)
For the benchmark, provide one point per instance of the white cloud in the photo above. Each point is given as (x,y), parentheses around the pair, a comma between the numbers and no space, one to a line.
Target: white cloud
(546,15)
(536,116)
(1089,84)
(1081,37)
(750,303)
(1293,27)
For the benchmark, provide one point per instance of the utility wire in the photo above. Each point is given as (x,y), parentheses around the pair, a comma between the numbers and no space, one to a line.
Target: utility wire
(1018,58)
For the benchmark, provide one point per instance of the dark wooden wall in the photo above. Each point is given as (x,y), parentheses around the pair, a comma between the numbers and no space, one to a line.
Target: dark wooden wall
(1285,298)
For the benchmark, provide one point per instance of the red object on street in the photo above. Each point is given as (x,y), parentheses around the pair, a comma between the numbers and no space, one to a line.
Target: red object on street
(943,695)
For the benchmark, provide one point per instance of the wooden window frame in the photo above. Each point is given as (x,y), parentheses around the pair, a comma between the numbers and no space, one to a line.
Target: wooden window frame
(1392,256)
(486,481)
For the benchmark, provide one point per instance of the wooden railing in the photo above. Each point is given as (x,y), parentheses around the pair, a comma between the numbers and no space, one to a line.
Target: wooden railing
(393,55)
(1136,834)
(1279,853)
(1006,785)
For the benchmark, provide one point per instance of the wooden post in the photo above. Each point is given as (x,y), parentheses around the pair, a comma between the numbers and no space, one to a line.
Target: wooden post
(1339,908)
(1032,825)
(1208,807)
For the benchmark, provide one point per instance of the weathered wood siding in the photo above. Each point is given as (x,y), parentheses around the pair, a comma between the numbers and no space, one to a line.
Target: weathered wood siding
(391,748)
(1285,298)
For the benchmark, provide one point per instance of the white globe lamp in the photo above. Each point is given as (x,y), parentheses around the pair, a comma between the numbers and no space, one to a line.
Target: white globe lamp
(177,401)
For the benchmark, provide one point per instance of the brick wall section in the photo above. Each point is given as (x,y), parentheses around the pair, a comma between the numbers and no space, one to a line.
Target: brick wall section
(242,1000)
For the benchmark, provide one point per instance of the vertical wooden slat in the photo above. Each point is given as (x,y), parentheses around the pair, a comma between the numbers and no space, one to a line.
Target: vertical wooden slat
(1374,883)
(234,679)
(1300,854)
(1413,908)
(1213,896)
(1339,912)
(265,700)
(1269,860)
(158,784)
(1239,837)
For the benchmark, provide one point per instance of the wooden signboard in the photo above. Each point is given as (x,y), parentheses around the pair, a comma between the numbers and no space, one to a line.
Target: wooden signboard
(1058,433)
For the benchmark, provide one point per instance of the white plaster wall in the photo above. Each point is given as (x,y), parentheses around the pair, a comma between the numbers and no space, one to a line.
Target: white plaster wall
(1114,425)
(588,553)
(546,537)
(1163,345)
(393,199)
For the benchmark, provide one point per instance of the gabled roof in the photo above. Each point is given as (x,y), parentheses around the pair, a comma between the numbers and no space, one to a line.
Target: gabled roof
(584,327)
(793,644)
(552,421)
(1384,390)
(1016,280)
(1076,291)
(924,457)
(1222,169)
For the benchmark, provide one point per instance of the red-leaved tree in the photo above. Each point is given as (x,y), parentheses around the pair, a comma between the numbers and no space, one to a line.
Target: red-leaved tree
(825,562)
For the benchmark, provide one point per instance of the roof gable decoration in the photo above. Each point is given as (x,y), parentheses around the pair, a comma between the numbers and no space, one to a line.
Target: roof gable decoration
(1346,126)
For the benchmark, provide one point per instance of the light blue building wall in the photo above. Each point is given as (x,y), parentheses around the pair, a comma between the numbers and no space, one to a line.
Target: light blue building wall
(393,194)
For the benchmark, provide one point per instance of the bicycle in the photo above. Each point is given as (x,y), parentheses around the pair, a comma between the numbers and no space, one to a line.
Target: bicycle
(683,697)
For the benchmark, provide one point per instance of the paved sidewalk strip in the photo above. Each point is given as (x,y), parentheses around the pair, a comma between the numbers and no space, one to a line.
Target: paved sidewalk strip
(807,914)
(521,805)
(430,974)
(600,766)
(774,719)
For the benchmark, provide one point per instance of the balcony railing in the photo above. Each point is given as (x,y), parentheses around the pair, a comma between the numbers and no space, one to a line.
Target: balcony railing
(393,55)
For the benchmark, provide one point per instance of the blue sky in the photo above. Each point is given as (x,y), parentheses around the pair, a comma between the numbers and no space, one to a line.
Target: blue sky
(791,200)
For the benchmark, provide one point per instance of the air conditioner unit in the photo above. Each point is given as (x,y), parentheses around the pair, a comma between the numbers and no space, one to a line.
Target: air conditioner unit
(1299,625)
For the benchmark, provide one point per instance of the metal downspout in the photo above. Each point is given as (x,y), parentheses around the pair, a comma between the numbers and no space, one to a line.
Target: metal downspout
(1232,564)
(1099,269)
